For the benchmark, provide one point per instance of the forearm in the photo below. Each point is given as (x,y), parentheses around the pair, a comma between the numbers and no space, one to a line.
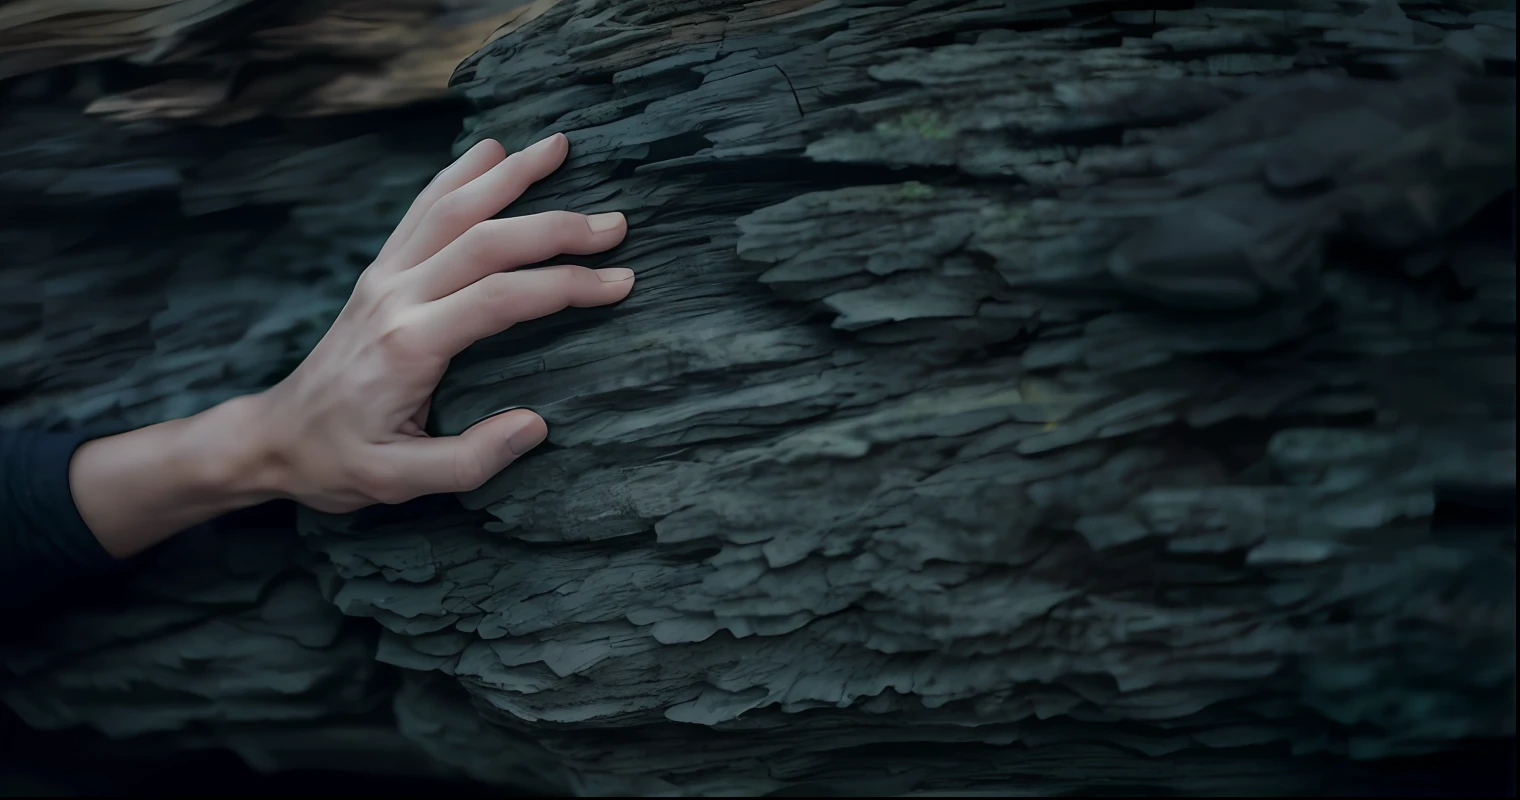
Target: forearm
(136,489)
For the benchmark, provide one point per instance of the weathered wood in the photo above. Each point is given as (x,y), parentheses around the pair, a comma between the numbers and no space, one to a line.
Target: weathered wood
(1021,397)
(221,61)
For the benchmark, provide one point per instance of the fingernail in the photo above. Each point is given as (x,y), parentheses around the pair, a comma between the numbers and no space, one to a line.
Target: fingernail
(526,439)
(601,223)
(614,274)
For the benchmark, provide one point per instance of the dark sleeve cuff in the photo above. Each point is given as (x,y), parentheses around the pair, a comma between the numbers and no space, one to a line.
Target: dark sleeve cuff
(44,543)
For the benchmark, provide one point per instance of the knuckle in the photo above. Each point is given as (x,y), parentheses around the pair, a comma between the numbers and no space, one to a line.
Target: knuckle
(470,470)
(403,340)
(568,226)
(372,288)
(514,162)
(568,279)
(452,210)
(496,149)
(496,288)
(398,332)
(367,289)
(474,243)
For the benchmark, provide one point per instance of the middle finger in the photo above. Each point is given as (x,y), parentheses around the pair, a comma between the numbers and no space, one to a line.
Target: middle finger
(482,198)
(503,244)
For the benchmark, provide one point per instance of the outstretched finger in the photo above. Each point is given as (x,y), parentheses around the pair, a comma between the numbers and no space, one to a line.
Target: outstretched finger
(475,162)
(463,463)
(503,244)
(482,198)
(499,301)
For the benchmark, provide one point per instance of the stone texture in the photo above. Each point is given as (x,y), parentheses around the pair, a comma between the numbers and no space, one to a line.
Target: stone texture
(1018,397)
(152,267)
(1008,387)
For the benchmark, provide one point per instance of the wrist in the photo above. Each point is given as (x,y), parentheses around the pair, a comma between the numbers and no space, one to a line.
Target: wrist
(231,451)
(137,488)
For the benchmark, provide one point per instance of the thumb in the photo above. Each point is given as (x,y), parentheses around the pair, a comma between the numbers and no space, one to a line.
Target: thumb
(462,463)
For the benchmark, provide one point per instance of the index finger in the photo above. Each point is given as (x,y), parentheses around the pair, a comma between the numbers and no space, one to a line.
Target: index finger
(475,162)
(482,198)
(497,302)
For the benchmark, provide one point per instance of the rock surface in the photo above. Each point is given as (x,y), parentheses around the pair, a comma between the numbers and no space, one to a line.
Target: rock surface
(153,264)
(1018,397)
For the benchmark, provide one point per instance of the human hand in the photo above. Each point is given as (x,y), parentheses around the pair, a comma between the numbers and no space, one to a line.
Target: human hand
(345,429)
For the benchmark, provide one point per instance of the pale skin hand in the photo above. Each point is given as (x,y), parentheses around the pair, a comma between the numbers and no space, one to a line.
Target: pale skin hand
(345,429)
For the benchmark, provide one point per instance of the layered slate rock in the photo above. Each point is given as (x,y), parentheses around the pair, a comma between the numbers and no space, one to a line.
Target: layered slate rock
(217,631)
(155,261)
(1016,397)
(190,188)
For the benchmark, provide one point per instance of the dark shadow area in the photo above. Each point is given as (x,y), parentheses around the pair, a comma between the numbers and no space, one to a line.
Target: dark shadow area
(69,764)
